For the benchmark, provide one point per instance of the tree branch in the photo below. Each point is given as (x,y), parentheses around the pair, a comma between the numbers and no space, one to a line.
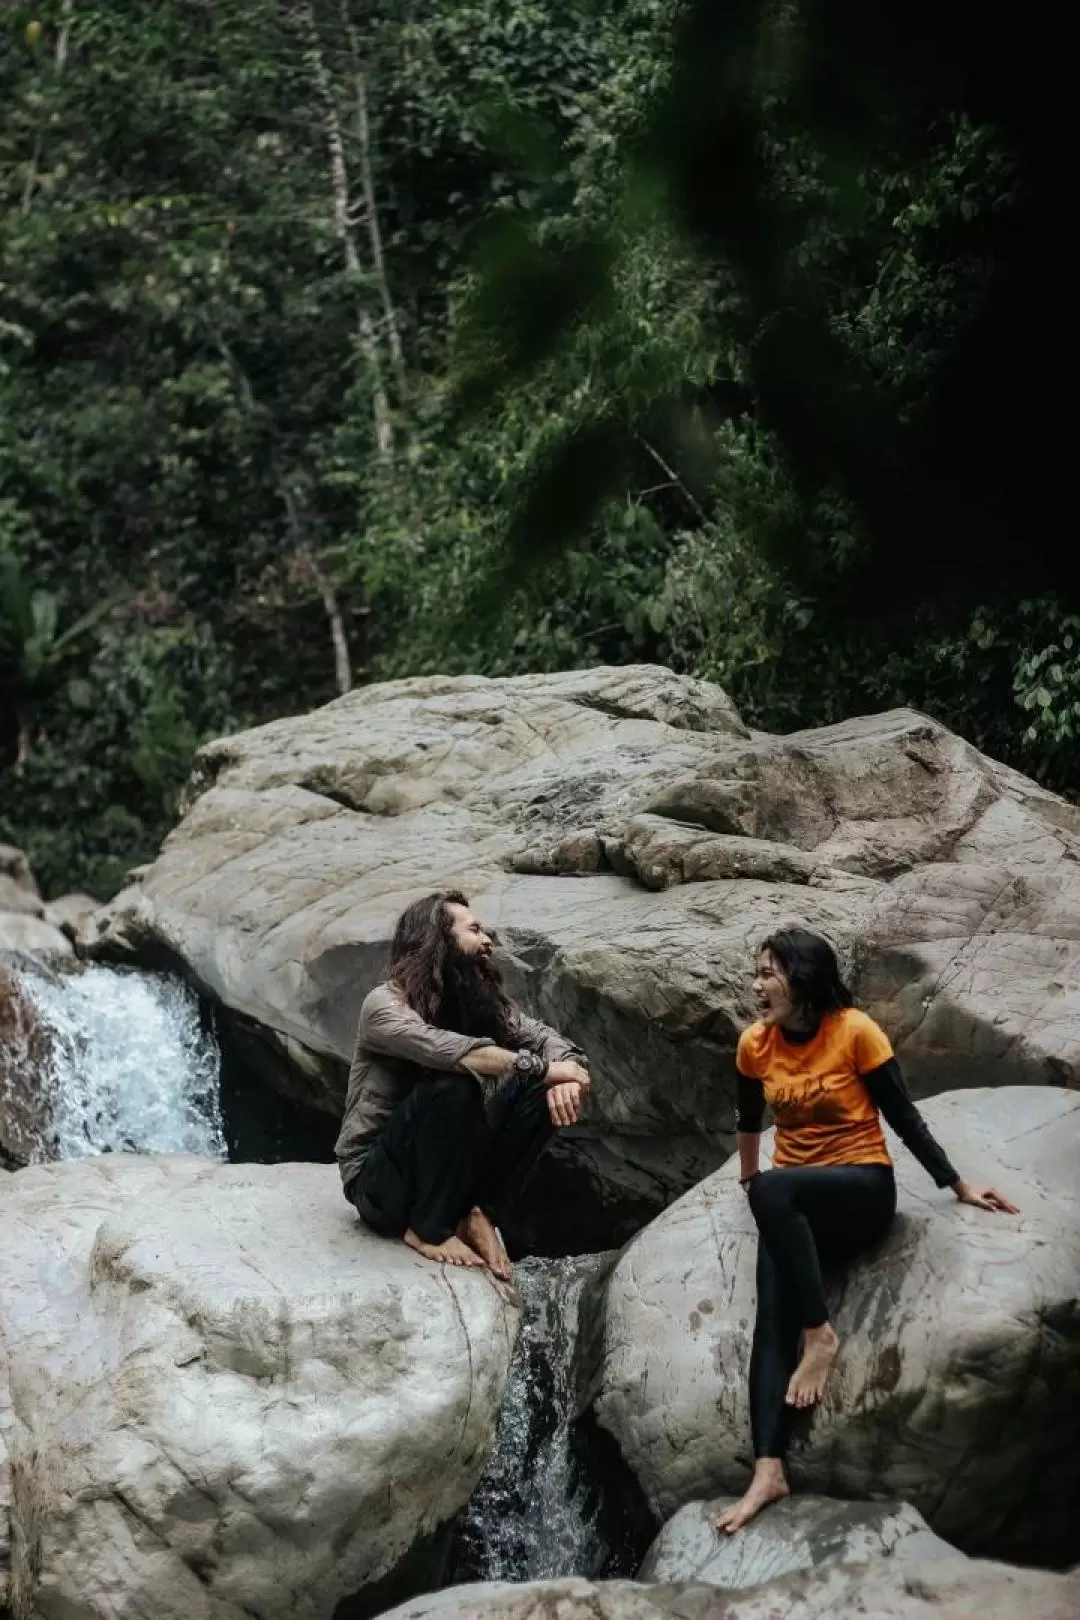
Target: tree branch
(676,482)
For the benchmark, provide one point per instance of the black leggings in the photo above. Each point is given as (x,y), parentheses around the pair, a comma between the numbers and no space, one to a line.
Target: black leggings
(443,1151)
(805,1214)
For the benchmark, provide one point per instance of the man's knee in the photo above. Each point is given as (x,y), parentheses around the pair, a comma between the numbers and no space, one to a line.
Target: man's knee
(520,1105)
(528,1101)
(457,1092)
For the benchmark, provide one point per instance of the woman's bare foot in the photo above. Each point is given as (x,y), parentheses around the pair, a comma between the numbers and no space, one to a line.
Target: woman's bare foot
(481,1234)
(450,1252)
(808,1381)
(768,1485)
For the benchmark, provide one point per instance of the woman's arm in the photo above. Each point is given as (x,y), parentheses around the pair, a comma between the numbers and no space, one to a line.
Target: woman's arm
(890,1095)
(749,1115)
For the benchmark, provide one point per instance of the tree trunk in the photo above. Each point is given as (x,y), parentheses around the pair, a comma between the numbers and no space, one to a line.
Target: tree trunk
(302,548)
(67,12)
(331,606)
(367,183)
(342,213)
(25,719)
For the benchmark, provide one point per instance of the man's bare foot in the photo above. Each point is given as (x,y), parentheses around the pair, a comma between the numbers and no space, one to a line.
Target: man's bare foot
(481,1234)
(450,1252)
(768,1485)
(808,1381)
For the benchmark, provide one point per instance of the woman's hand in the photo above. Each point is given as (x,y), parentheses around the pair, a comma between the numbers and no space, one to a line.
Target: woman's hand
(982,1197)
(564,1103)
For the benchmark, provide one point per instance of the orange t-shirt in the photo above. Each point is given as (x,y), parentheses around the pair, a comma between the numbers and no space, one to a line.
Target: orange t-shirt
(823,1112)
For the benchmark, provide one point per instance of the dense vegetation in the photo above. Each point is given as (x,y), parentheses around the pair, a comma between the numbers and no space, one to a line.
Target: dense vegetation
(343,342)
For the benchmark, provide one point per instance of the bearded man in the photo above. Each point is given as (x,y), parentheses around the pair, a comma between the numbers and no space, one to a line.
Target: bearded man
(453,1093)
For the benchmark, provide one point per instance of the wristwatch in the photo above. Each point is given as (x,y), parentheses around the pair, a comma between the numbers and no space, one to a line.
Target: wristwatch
(530,1065)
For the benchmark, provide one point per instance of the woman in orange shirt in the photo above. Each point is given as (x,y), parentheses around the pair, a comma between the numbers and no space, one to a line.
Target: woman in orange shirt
(827,1072)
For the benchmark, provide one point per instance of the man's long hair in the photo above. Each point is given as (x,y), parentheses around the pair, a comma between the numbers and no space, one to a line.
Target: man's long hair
(445,986)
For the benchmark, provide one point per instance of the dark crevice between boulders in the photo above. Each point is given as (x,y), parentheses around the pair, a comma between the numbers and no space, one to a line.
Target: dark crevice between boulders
(424,1568)
(144,952)
(562,1209)
(264,1121)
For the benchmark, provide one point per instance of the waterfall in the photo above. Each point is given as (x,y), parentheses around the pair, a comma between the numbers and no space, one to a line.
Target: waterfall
(127,1067)
(536,1513)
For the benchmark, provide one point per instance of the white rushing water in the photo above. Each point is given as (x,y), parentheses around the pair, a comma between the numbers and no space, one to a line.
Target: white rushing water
(535,1513)
(130,1068)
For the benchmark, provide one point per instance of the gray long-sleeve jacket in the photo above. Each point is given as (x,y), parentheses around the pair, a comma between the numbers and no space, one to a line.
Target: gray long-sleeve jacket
(395,1049)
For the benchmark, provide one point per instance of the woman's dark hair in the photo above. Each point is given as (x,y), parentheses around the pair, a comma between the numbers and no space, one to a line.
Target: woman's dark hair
(812,971)
(446,989)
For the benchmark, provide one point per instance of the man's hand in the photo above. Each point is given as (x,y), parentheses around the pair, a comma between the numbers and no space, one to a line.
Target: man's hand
(564,1100)
(568,1073)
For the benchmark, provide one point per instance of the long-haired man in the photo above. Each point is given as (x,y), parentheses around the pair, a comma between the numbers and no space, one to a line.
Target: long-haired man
(453,1092)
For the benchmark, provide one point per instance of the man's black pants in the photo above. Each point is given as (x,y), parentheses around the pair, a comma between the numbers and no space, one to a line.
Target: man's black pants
(444,1151)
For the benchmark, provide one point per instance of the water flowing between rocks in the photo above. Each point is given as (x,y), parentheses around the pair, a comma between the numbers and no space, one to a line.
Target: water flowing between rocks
(538,1512)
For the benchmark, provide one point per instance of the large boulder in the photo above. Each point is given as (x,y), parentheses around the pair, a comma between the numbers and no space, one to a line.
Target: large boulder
(885,1589)
(220,1396)
(630,839)
(801,1533)
(956,1387)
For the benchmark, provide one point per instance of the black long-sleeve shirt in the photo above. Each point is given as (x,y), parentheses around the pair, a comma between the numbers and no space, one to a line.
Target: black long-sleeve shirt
(889,1094)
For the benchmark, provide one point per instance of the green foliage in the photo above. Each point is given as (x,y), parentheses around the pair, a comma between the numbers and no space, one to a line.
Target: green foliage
(580,396)
(102,779)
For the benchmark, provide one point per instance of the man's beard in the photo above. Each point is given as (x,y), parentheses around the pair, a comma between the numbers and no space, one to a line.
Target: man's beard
(473,1002)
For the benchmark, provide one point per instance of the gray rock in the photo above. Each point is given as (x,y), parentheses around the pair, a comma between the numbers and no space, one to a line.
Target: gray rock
(25,1056)
(74,915)
(220,1396)
(630,840)
(21,931)
(955,1385)
(16,897)
(801,1533)
(24,926)
(15,869)
(885,1589)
